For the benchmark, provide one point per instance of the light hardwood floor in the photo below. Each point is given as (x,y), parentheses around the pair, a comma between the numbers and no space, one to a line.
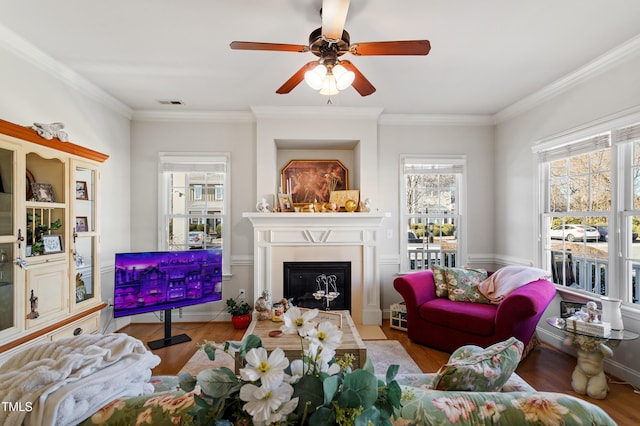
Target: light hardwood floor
(545,368)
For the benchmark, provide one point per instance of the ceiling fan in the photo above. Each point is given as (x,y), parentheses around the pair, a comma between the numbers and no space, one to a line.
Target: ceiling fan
(329,74)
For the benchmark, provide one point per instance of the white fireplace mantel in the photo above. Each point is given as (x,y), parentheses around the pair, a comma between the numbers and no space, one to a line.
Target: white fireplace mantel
(282,237)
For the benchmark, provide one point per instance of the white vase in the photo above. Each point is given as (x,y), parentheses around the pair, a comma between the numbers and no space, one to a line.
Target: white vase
(611,312)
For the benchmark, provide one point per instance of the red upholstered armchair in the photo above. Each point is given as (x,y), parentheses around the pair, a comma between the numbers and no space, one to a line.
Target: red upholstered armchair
(446,325)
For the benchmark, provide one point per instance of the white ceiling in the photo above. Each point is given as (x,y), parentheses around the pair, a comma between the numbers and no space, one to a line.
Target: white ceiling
(485,56)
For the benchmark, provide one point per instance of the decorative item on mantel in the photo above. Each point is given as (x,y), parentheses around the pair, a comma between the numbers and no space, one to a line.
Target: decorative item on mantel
(263,206)
(312,181)
(50,131)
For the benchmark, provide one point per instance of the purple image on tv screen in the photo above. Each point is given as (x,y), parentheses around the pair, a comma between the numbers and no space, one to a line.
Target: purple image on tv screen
(155,281)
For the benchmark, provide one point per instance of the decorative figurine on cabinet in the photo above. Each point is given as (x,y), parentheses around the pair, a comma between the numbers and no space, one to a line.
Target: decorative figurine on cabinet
(34,307)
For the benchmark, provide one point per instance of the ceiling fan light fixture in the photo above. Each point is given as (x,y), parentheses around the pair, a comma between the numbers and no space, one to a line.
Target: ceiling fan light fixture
(315,77)
(343,77)
(329,86)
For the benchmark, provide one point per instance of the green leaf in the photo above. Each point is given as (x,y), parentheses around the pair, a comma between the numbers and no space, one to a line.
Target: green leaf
(350,399)
(394,393)
(308,389)
(187,382)
(249,342)
(365,386)
(323,416)
(217,383)
(368,366)
(371,414)
(210,351)
(392,371)
(330,386)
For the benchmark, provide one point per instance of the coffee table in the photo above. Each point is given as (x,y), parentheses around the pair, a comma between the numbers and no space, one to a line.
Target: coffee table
(290,343)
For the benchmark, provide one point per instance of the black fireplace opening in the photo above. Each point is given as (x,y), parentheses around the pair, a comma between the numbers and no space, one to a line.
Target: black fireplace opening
(314,284)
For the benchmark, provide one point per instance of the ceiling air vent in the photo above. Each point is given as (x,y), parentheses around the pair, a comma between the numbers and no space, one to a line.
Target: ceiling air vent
(170,102)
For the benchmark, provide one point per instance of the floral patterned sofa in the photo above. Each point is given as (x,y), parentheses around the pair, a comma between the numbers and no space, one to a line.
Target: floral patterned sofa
(517,404)
(476,386)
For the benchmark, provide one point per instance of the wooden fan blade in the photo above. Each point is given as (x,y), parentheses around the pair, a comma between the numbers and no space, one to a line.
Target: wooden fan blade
(253,45)
(360,83)
(405,47)
(334,15)
(295,79)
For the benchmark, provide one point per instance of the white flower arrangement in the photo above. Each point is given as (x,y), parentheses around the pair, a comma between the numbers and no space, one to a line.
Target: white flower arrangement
(314,390)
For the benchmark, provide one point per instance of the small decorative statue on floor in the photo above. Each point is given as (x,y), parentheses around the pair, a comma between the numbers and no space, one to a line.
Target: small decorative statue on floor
(34,307)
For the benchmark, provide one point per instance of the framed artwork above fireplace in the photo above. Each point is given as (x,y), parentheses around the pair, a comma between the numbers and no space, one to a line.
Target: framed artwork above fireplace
(311,181)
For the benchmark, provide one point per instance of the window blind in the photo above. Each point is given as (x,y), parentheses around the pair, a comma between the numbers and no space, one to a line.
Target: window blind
(578,147)
(192,163)
(432,166)
(628,134)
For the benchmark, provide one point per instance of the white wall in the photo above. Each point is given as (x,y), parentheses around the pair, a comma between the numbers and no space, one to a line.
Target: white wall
(32,93)
(611,92)
(151,137)
(473,141)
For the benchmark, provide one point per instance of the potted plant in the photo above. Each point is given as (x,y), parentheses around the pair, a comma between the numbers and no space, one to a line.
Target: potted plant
(240,313)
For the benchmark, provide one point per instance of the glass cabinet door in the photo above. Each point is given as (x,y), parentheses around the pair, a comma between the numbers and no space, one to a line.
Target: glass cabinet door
(85,234)
(7,287)
(8,238)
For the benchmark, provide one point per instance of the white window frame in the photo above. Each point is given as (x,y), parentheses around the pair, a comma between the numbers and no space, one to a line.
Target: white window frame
(458,164)
(194,162)
(619,281)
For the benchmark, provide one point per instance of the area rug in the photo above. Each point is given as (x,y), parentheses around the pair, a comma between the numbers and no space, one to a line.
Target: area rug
(382,353)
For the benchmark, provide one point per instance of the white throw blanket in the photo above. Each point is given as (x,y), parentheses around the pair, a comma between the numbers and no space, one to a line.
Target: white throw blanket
(68,380)
(502,282)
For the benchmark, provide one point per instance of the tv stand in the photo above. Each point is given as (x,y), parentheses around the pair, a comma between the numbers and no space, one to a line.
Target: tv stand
(168,340)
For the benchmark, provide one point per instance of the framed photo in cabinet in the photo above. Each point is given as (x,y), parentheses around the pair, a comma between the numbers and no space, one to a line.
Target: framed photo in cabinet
(82,225)
(81,190)
(52,244)
(43,192)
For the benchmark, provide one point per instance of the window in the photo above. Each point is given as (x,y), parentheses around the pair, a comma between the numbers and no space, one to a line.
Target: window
(590,209)
(628,140)
(431,196)
(193,204)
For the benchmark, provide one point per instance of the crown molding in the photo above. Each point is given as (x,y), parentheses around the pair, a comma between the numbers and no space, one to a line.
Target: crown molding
(326,112)
(194,117)
(592,69)
(436,120)
(20,47)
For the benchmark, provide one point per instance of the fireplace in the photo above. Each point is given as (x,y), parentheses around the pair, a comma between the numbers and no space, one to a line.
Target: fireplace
(320,237)
(321,285)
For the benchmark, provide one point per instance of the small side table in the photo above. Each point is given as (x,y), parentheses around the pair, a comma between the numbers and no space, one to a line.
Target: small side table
(588,377)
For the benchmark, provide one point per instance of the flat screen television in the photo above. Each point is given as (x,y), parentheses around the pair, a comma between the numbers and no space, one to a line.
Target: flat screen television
(166,280)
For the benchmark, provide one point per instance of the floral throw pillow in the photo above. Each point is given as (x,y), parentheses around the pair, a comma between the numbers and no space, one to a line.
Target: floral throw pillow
(472,368)
(440,280)
(462,284)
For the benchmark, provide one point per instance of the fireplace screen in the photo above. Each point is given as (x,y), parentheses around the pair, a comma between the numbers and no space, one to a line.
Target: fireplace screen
(321,285)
